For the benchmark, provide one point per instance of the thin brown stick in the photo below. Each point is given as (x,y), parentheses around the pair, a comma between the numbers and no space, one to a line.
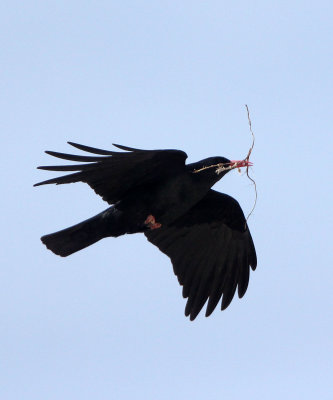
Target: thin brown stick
(247,168)
(220,167)
(228,166)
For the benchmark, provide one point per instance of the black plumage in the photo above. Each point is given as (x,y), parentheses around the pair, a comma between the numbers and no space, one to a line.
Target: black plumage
(204,232)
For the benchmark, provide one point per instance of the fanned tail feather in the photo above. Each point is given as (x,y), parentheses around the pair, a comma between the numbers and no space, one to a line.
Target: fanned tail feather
(84,234)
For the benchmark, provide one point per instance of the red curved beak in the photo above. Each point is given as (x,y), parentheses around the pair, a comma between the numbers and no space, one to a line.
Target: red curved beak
(240,164)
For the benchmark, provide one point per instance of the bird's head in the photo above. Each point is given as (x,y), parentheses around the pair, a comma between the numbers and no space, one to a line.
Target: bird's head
(214,168)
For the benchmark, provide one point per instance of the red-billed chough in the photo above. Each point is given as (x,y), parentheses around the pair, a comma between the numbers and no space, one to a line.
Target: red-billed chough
(204,232)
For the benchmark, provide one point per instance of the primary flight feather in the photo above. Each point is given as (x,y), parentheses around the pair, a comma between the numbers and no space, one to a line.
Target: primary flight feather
(204,232)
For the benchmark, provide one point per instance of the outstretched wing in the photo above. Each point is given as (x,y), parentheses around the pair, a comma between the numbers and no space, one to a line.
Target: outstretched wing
(114,174)
(211,250)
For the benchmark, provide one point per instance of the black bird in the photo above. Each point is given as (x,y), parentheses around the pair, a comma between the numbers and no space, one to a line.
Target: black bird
(204,232)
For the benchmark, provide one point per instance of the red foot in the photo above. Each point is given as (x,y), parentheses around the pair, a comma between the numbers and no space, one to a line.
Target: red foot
(151,223)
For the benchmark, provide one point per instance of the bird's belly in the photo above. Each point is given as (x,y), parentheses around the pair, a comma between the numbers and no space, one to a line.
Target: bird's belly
(174,199)
(166,201)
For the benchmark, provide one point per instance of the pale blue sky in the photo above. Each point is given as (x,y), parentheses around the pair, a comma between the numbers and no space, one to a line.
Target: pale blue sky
(108,322)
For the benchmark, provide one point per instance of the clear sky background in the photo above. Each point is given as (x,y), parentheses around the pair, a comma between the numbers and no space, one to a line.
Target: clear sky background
(108,322)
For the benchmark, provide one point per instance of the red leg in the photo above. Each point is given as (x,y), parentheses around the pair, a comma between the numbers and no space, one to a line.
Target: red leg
(151,222)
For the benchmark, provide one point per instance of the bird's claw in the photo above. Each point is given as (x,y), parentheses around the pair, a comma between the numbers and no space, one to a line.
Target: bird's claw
(151,222)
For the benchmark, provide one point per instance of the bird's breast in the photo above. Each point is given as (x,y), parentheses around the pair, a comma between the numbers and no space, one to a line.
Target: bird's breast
(174,197)
(166,200)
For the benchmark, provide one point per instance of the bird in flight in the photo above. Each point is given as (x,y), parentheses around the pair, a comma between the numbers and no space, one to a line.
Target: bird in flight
(154,192)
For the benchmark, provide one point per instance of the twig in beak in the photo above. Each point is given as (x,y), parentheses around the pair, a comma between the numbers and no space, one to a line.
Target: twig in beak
(228,166)
(247,168)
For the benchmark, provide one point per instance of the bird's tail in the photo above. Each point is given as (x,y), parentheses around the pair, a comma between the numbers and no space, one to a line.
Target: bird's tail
(77,237)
